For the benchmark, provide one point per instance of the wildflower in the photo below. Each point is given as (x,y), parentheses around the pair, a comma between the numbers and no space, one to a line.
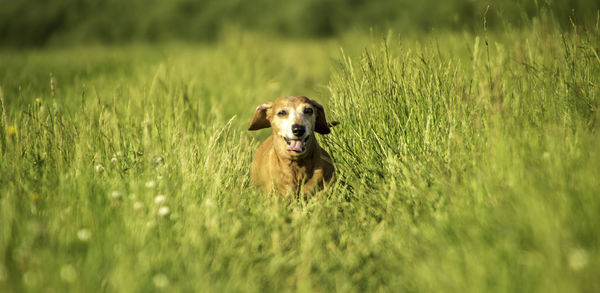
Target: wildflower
(163,211)
(116,195)
(159,161)
(160,199)
(38,101)
(113,160)
(11,131)
(150,184)
(160,281)
(138,206)
(68,273)
(34,197)
(99,168)
(84,234)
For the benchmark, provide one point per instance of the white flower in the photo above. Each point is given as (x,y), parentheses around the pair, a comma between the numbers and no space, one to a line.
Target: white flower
(163,211)
(138,206)
(159,160)
(99,168)
(84,234)
(160,199)
(151,184)
(113,160)
(116,195)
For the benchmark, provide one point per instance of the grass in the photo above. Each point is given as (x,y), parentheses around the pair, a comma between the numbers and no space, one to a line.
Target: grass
(465,163)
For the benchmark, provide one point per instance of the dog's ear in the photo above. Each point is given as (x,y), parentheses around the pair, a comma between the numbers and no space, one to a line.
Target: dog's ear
(260,120)
(321,125)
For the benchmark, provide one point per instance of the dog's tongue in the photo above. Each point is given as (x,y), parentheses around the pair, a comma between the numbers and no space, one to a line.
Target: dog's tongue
(295,145)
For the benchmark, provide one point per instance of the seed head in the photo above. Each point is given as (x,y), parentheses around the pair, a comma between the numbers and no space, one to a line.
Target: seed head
(53,85)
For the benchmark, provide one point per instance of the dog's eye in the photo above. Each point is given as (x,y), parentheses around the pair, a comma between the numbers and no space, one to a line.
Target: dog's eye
(308,111)
(281,113)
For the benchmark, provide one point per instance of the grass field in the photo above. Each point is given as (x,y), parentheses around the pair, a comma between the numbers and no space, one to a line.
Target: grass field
(466,163)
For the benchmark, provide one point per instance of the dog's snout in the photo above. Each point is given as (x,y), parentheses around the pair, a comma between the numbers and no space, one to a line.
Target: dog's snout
(298,130)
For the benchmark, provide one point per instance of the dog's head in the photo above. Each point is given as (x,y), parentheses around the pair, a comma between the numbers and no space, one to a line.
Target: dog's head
(294,121)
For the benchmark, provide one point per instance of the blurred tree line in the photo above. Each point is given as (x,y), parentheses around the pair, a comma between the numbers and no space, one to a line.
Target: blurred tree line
(43,22)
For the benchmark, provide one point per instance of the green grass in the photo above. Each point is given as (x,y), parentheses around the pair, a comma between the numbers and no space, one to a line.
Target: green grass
(466,164)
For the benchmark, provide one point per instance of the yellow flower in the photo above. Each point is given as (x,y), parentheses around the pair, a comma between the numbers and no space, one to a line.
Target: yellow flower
(38,101)
(11,131)
(34,196)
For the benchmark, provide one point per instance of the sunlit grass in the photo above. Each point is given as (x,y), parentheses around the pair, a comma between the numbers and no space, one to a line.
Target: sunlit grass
(465,163)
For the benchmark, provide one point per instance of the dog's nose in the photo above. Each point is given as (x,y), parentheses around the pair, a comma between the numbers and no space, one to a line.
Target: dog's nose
(298,130)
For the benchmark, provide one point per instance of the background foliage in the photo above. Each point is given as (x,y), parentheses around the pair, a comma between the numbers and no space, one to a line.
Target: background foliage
(40,22)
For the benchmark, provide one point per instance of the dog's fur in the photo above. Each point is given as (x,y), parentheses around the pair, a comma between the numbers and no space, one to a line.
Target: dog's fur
(290,162)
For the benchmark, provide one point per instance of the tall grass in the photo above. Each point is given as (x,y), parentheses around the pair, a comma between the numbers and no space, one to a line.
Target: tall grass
(465,163)
(482,169)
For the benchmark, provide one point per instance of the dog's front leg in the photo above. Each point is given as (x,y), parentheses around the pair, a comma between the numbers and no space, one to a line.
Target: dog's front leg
(314,182)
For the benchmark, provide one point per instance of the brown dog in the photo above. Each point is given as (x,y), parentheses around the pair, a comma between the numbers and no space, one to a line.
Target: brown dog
(291,160)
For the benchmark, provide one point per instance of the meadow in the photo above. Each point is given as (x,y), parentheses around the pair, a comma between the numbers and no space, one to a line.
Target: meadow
(466,162)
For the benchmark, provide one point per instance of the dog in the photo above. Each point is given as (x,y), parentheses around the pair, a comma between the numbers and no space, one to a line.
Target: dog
(291,161)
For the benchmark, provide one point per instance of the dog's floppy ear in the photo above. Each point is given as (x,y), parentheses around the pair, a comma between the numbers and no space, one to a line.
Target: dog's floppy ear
(260,120)
(321,125)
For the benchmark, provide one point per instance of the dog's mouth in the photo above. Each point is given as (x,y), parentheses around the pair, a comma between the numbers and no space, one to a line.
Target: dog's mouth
(296,145)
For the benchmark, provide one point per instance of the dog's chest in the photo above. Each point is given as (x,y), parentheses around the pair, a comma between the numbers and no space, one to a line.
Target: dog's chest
(297,174)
